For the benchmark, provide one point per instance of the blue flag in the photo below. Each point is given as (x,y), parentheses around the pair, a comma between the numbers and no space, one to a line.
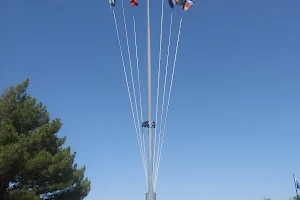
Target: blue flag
(297,183)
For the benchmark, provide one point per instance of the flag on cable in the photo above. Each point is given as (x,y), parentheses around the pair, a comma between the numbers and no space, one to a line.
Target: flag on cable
(297,185)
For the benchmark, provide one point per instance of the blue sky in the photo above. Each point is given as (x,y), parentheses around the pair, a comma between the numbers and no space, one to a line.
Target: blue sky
(233,123)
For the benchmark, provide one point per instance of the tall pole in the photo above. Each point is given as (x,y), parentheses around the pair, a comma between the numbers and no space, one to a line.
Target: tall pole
(150,195)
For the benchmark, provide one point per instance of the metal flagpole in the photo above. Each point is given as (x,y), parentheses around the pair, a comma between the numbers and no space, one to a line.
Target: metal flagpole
(150,195)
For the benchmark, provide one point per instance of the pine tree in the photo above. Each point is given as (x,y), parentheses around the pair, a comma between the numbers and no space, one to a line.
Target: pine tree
(33,163)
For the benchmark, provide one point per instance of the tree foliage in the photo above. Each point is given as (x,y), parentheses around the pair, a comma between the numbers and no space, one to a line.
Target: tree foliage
(33,163)
(295,197)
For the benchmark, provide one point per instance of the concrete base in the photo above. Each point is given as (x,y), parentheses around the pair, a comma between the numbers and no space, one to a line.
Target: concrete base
(151,196)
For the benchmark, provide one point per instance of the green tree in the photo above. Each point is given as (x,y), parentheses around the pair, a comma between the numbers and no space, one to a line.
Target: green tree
(33,163)
(295,198)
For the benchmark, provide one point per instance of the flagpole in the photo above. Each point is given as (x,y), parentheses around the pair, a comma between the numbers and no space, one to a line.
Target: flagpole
(295,187)
(150,195)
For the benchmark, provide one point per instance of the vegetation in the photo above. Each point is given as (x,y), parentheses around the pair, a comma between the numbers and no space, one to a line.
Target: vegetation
(33,163)
(294,198)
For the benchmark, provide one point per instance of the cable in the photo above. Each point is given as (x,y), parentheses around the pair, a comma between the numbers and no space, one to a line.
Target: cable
(126,79)
(158,79)
(132,81)
(141,108)
(174,64)
(163,101)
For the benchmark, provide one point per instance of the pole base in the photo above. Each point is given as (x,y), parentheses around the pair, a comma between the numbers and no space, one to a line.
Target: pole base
(151,196)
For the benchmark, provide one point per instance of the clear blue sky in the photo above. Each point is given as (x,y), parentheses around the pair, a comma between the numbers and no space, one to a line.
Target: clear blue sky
(233,128)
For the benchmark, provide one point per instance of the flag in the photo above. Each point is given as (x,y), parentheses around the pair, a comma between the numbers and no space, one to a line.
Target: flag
(297,183)
(145,124)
